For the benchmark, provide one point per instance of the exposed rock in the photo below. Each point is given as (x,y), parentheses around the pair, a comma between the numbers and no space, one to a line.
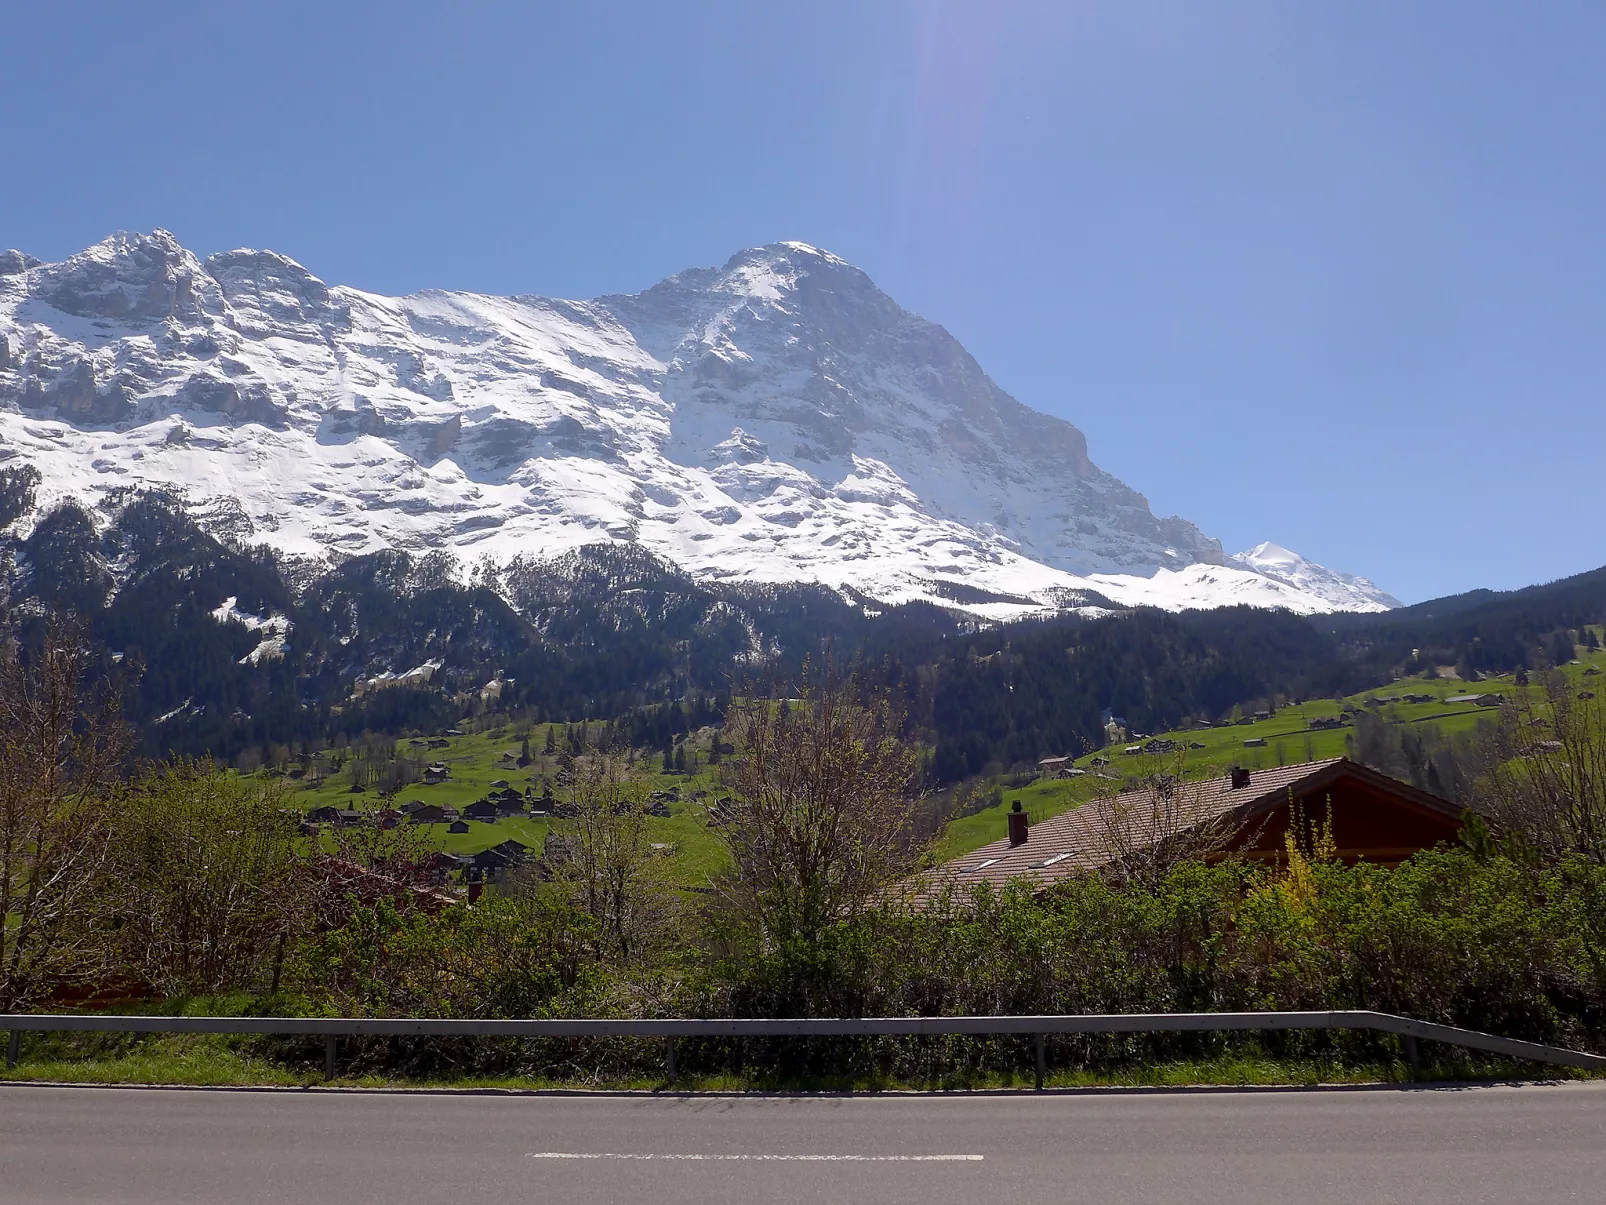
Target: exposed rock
(252,404)
(446,435)
(15,263)
(132,277)
(72,394)
(268,293)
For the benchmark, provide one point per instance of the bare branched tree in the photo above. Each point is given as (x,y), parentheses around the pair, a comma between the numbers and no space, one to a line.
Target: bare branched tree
(61,754)
(614,873)
(1543,768)
(824,795)
(1157,822)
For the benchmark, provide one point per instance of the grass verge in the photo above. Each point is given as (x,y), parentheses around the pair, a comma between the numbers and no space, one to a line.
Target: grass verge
(204,1060)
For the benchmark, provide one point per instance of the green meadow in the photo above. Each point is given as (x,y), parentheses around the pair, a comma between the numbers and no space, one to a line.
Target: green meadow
(476,760)
(1287,735)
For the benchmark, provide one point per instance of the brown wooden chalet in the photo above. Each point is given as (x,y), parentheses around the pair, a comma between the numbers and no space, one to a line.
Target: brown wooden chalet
(1374,817)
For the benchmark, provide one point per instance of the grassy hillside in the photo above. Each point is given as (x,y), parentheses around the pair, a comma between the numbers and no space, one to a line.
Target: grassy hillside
(1287,735)
(476,760)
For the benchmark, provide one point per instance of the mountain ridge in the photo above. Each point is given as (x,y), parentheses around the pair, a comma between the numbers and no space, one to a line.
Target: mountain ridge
(778,419)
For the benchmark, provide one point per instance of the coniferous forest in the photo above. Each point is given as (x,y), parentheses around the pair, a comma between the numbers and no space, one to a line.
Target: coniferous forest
(176,613)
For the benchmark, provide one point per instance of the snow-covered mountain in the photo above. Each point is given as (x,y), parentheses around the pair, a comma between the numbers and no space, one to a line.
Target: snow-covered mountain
(779,419)
(1344,591)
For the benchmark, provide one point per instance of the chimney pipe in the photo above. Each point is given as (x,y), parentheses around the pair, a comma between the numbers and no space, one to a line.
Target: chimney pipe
(1240,778)
(1017,825)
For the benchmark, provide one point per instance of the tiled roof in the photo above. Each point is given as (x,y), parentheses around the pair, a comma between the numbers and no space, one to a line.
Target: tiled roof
(1088,837)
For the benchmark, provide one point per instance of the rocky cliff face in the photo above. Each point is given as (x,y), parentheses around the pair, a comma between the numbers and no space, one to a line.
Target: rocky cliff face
(779,419)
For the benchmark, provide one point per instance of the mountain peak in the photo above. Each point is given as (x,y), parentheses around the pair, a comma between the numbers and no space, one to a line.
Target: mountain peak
(776,420)
(128,276)
(1345,591)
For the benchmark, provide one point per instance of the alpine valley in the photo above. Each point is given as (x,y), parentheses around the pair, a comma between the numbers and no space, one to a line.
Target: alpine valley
(284,515)
(776,420)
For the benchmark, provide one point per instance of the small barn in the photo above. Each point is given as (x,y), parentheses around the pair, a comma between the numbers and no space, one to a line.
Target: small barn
(1374,818)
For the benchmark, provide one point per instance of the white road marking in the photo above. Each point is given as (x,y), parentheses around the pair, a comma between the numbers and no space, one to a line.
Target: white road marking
(760,1158)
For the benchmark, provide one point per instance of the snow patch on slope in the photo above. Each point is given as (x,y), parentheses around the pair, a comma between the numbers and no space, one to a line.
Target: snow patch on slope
(273,630)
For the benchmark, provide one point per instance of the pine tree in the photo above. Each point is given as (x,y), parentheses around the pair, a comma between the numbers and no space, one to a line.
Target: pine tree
(669,760)
(551,740)
(680,759)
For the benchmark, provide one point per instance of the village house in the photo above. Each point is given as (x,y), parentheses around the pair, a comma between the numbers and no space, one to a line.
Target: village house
(1374,818)
(482,810)
(498,858)
(433,813)
(441,864)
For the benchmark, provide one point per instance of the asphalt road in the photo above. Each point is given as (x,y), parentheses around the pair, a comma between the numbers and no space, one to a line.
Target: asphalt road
(1505,1144)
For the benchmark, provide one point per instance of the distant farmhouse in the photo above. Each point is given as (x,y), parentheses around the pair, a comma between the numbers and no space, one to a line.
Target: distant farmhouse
(1374,817)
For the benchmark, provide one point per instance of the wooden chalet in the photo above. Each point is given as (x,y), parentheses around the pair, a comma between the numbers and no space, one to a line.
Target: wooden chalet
(432,813)
(1374,818)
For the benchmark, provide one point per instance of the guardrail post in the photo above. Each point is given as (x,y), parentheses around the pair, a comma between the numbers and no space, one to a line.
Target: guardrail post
(329,1057)
(13,1047)
(1412,1054)
(1042,1060)
(669,1059)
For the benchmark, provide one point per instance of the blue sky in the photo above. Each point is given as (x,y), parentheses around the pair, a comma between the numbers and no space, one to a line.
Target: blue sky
(1332,274)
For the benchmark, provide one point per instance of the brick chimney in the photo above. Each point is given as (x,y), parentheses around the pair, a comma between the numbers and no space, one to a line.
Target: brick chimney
(1017,825)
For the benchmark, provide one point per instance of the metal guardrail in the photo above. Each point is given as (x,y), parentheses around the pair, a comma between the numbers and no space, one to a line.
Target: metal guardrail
(1038,1027)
